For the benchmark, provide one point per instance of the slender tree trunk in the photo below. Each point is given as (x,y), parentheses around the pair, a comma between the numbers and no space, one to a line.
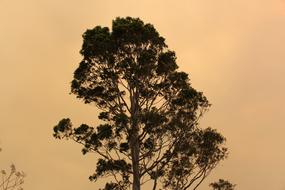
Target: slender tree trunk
(134,141)
(135,162)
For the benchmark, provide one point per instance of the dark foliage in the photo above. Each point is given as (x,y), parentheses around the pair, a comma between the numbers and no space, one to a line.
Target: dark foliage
(222,185)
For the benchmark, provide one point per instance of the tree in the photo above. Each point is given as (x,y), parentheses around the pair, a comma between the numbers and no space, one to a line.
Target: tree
(149,111)
(222,185)
(11,180)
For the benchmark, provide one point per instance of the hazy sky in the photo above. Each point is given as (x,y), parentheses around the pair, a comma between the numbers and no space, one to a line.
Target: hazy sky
(234,51)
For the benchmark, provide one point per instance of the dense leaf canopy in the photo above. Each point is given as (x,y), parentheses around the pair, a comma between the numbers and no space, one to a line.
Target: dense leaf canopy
(149,111)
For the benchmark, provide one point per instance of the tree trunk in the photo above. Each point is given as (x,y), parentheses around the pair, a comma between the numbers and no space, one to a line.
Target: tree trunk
(134,141)
(135,161)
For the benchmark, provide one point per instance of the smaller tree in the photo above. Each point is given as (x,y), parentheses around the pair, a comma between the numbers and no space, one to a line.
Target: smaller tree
(222,185)
(12,180)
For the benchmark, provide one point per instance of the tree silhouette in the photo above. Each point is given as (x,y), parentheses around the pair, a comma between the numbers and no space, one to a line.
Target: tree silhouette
(12,179)
(149,111)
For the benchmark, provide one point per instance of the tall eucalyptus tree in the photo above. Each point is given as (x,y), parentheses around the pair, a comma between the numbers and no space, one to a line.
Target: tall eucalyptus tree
(149,111)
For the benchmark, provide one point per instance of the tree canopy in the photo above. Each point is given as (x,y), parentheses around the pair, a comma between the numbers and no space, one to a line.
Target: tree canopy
(149,112)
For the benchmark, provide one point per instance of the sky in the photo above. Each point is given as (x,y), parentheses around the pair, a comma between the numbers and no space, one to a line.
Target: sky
(233,50)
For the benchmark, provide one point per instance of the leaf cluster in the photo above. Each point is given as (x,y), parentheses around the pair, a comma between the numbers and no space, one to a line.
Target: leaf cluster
(222,185)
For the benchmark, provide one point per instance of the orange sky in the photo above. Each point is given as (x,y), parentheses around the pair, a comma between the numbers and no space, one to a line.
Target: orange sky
(234,51)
